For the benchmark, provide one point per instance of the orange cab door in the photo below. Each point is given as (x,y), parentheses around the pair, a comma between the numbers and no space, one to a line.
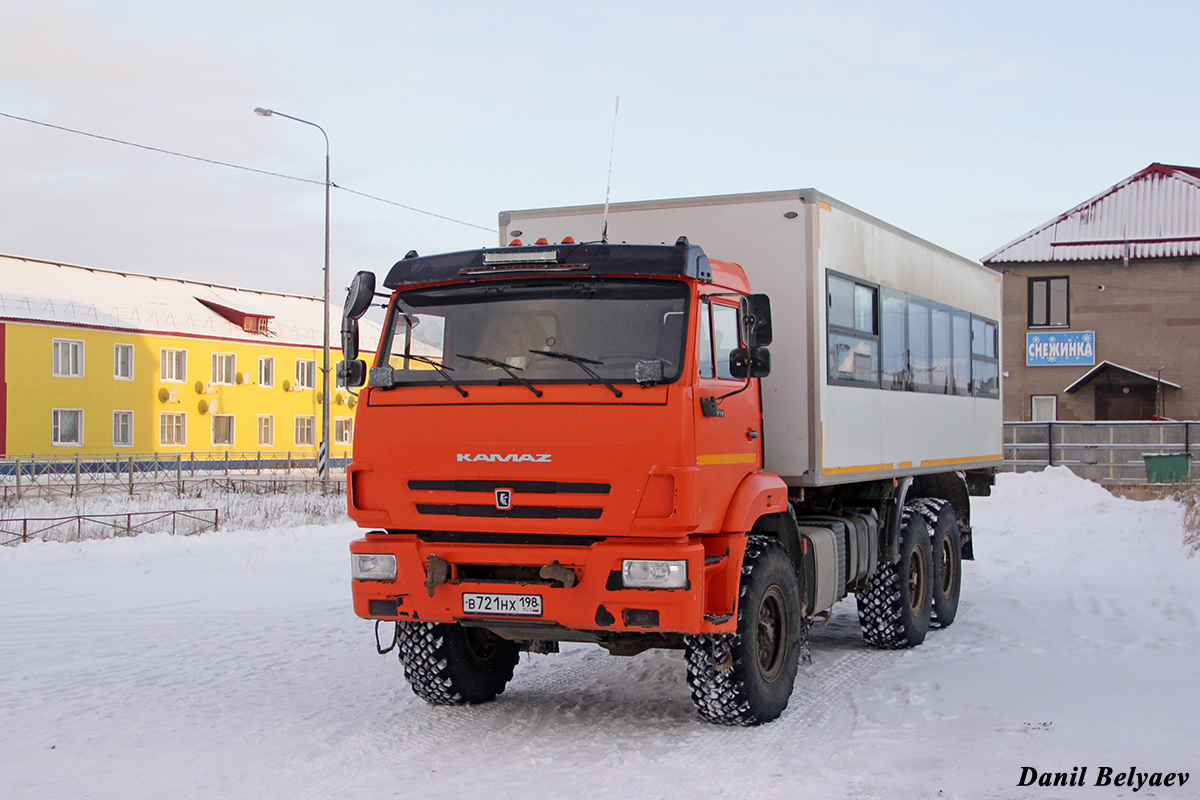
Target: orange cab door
(728,421)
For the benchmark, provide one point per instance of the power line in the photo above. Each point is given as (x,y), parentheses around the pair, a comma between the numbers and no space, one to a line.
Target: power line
(243,168)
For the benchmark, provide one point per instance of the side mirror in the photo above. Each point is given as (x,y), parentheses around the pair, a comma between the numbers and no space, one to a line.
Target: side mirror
(750,362)
(360,295)
(352,374)
(756,320)
(349,338)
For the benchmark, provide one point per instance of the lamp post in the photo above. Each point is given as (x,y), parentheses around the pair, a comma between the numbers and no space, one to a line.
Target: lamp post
(323,454)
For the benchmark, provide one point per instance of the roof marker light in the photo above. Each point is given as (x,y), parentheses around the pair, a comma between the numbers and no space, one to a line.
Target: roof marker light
(515,243)
(568,240)
(542,241)
(543,256)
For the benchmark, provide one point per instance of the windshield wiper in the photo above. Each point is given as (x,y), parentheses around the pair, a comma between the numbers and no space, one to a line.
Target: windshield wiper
(441,370)
(509,368)
(583,365)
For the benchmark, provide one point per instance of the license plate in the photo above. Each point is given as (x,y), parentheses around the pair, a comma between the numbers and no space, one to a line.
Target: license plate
(510,605)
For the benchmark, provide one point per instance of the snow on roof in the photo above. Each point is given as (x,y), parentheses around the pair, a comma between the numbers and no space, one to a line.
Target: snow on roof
(1153,214)
(1105,366)
(45,291)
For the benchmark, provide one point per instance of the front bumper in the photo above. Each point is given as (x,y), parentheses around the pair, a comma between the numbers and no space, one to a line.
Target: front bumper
(597,603)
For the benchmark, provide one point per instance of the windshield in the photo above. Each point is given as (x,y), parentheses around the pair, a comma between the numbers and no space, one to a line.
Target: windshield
(597,331)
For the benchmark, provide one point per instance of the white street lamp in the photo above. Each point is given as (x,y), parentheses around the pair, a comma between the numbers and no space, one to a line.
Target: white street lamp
(323,455)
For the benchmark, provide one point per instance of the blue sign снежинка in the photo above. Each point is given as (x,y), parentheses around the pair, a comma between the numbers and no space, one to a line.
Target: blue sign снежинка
(1074,349)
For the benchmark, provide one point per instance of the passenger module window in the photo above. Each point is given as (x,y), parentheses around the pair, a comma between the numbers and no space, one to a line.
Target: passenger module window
(853,332)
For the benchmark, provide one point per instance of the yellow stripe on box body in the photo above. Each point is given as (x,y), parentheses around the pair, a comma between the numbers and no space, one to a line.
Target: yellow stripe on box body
(942,462)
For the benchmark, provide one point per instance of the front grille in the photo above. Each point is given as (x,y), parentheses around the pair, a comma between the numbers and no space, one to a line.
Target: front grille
(516,512)
(525,487)
(480,537)
(517,489)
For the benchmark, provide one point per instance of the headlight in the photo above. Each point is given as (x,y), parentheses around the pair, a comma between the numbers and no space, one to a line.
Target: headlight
(645,574)
(365,567)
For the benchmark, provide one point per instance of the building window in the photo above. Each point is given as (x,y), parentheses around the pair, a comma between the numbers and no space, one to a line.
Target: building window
(67,426)
(172,428)
(985,364)
(222,429)
(122,429)
(174,365)
(306,431)
(1044,407)
(123,362)
(343,430)
(266,430)
(67,359)
(253,324)
(306,374)
(1048,303)
(853,332)
(266,371)
(224,368)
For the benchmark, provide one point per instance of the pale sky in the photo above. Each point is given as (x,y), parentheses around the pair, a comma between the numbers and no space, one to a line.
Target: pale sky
(965,123)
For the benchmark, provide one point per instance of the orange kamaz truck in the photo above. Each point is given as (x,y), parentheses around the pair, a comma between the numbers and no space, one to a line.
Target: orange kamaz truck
(700,433)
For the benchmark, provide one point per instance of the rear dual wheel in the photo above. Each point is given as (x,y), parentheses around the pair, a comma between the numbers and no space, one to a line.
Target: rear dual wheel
(894,611)
(946,543)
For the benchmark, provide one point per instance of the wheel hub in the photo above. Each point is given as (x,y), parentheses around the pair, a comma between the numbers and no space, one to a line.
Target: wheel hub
(916,583)
(771,634)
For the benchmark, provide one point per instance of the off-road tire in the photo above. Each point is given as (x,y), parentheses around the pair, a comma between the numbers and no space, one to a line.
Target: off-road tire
(449,665)
(894,610)
(946,543)
(746,678)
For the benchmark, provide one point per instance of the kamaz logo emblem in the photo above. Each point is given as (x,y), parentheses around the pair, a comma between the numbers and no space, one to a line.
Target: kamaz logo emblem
(540,458)
(504,499)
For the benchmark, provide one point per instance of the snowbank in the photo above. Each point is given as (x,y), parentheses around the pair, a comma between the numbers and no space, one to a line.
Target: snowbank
(231,665)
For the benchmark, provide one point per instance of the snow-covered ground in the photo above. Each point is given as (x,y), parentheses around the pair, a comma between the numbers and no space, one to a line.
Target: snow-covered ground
(231,665)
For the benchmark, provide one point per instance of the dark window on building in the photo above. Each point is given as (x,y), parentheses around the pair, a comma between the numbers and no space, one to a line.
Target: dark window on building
(1048,303)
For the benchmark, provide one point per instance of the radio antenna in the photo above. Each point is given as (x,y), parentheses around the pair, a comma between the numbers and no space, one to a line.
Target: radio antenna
(608,189)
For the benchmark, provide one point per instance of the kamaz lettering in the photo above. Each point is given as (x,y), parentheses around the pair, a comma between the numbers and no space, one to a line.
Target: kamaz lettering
(540,458)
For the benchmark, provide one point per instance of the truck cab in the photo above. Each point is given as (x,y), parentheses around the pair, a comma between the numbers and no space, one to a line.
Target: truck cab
(563,442)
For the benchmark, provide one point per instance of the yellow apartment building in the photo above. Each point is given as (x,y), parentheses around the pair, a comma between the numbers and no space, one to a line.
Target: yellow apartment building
(99,362)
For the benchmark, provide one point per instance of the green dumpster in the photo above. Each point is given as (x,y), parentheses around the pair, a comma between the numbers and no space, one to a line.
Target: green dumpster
(1168,467)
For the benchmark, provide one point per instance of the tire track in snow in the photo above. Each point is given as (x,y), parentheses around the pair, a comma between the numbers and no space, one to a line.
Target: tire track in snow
(630,716)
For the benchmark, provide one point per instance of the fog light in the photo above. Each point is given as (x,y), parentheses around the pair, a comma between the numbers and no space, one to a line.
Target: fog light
(364,567)
(645,574)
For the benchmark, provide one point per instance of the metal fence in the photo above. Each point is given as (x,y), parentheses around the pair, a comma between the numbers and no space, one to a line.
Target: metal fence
(1106,452)
(50,476)
(104,526)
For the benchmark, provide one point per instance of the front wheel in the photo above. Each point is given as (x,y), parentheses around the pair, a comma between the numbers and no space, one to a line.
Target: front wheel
(746,678)
(449,665)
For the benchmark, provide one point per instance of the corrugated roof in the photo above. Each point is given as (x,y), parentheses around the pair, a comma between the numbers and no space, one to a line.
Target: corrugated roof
(1153,214)
(45,291)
